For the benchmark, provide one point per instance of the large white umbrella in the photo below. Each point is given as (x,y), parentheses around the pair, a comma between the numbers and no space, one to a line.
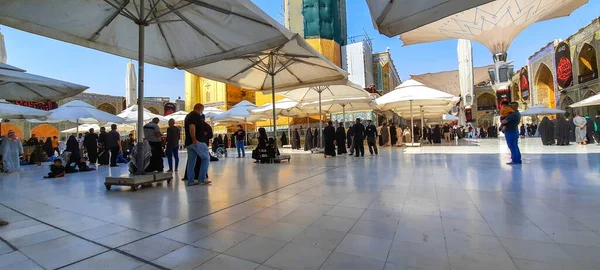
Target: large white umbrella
(178,116)
(211,112)
(285,107)
(412,93)
(281,67)
(318,93)
(239,113)
(12,111)
(449,117)
(16,84)
(168,33)
(130,85)
(540,110)
(122,128)
(79,112)
(495,24)
(591,101)
(130,116)
(394,17)
(342,105)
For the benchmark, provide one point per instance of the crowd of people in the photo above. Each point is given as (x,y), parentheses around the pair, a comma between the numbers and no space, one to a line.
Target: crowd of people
(564,130)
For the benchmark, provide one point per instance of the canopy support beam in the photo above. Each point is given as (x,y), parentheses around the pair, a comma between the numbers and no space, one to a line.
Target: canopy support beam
(412,124)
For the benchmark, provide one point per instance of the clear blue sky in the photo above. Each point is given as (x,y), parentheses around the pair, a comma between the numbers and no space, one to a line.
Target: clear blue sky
(105,73)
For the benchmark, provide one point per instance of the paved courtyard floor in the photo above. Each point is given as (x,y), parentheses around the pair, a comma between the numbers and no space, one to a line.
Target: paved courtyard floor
(435,207)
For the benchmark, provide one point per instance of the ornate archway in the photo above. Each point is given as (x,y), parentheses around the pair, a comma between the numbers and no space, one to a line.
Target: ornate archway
(486,101)
(45,131)
(544,86)
(588,66)
(107,107)
(6,127)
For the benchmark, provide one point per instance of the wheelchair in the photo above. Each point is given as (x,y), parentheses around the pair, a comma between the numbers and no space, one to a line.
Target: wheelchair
(221,151)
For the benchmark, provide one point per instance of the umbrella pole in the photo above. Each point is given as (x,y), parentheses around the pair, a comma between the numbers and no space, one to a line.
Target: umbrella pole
(320,122)
(422,124)
(412,124)
(77,123)
(273,102)
(140,101)
(344,114)
(289,130)
(246,128)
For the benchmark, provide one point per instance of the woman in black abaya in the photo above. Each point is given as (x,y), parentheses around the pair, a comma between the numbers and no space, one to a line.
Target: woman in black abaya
(340,139)
(296,139)
(329,139)
(547,131)
(393,135)
(284,139)
(308,141)
(437,134)
(561,130)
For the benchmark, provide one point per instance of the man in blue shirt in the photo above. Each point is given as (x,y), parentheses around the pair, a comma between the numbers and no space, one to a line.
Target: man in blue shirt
(512,134)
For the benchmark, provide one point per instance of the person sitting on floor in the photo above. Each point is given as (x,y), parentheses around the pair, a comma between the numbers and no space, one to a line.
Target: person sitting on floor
(56,169)
(272,150)
(83,165)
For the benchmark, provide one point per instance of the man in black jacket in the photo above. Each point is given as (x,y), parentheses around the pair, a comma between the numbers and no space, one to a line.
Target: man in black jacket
(90,141)
(359,136)
(371,132)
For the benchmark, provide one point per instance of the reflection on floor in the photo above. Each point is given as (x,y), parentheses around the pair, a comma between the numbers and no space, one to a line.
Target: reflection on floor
(425,208)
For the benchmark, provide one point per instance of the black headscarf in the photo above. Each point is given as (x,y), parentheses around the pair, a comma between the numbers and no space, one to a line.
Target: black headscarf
(48,147)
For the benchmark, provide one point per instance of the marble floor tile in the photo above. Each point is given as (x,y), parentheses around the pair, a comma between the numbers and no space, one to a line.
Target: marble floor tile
(187,257)
(256,249)
(365,246)
(108,260)
(221,240)
(224,262)
(343,261)
(152,247)
(296,256)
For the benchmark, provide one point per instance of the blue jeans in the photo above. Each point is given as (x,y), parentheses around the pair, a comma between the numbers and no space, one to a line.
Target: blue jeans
(173,152)
(200,151)
(240,148)
(512,140)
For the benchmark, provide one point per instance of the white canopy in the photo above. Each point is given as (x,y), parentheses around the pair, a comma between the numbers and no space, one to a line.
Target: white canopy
(416,96)
(122,128)
(413,93)
(211,112)
(342,104)
(540,110)
(79,112)
(449,117)
(16,84)
(176,32)
(168,33)
(591,101)
(312,94)
(294,64)
(130,116)
(239,113)
(495,24)
(393,18)
(12,111)
(285,107)
(178,116)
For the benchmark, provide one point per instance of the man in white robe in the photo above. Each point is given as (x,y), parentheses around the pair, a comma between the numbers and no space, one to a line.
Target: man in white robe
(580,129)
(10,149)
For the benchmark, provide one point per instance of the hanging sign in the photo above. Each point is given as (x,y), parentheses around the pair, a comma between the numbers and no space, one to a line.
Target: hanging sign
(169,108)
(564,67)
(524,83)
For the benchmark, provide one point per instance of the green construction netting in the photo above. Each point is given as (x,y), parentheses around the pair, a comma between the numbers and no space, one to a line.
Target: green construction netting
(325,19)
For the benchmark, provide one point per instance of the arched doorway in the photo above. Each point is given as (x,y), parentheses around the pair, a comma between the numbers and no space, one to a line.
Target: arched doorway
(544,86)
(45,131)
(6,127)
(107,107)
(588,66)
(486,101)
(566,102)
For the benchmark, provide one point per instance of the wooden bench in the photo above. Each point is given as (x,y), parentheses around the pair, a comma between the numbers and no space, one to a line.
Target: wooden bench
(134,181)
